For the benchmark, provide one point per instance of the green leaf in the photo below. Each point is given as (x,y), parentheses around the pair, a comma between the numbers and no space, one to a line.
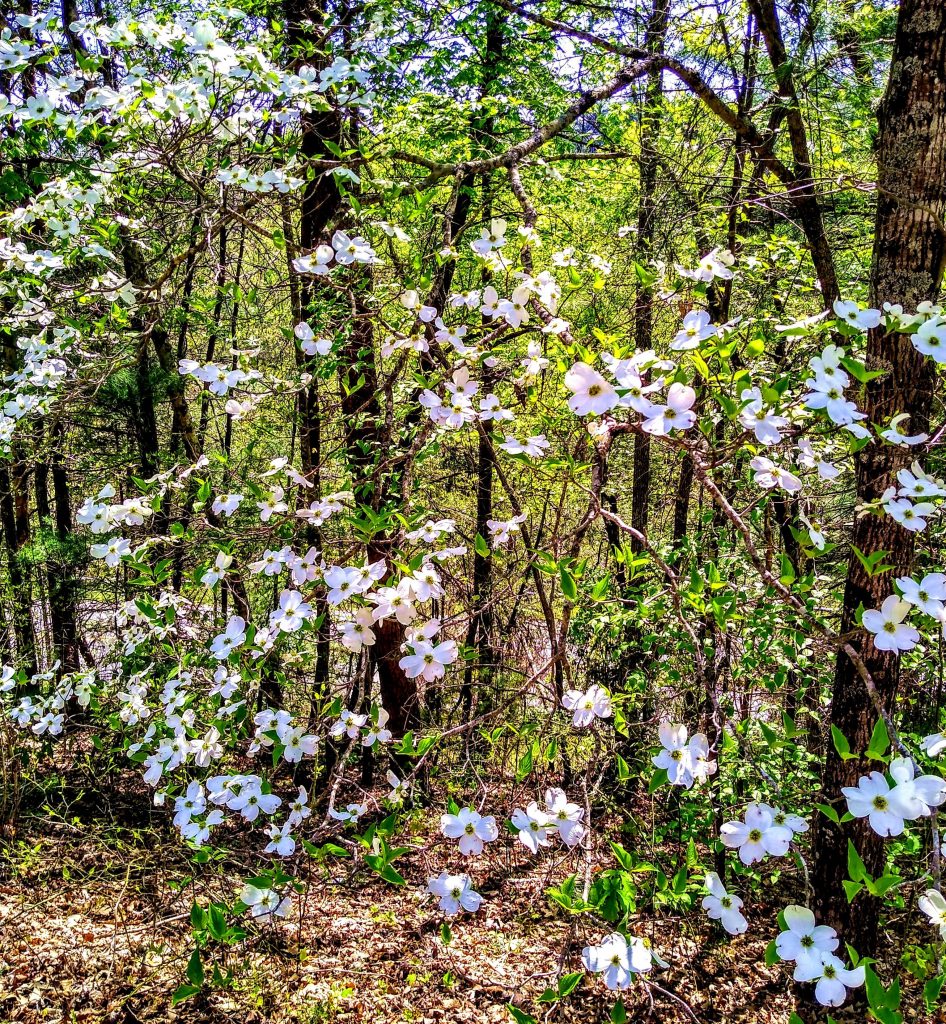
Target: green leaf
(858,371)
(644,276)
(851,889)
(195,969)
(700,363)
(885,882)
(680,882)
(856,870)
(932,990)
(795,1019)
(618,1013)
(520,1016)
(524,768)
(568,983)
(197,915)
(879,741)
(829,812)
(216,922)
(184,992)
(569,586)
(771,954)
(625,859)
(660,777)
(480,546)
(389,874)
(841,744)
(873,564)
(770,736)
(446,935)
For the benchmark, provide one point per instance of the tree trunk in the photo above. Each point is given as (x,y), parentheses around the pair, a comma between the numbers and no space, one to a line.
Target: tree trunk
(646,216)
(908,264)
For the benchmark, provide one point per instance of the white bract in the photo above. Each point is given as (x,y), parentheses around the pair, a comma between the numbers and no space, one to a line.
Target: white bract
(595,702)
(455,893)
(591,395)
(933,905)
(888,807)
(804,940)
(471,828)
(677,414)
(832,978)
(617,959)
(890,632)
(685,762)
(757,836)
(533,825)
(723,906)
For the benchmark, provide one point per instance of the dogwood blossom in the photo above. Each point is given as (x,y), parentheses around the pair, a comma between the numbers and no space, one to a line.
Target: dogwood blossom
(617,960)
(933,905)
(455,893)
(471,828)
(929,595)
(592,394)
(696,328)
(803,941)
(756,836)
(677,414)
(854,316)
(723,906)
(769,475)
(595,702)
(685,762)
(565,815)
(872,798)
(763,421)
(429,661)
(225,643)
(832,978)
(534,826)
(930,339)
(934,745)
(910,516)
(890,632)
(262,903)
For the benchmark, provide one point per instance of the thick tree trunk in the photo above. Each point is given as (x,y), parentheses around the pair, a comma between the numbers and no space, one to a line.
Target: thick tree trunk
(908,264)
(480,630)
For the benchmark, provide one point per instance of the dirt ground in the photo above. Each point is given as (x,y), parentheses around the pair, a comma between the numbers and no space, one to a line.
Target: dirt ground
(94,928)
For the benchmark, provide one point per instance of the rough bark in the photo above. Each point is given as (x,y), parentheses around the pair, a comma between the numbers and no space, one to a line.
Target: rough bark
(908,263)
(646,218)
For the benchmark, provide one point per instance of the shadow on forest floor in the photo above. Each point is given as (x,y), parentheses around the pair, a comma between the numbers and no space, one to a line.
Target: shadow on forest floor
(96,891)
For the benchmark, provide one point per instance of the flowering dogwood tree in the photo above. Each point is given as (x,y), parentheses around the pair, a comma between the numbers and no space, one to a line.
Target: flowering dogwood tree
(375,444)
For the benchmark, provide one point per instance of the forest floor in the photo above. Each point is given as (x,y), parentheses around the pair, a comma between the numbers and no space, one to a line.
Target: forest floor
(94,927)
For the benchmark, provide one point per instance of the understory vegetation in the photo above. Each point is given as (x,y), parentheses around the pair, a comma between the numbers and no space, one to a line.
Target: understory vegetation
(470,491)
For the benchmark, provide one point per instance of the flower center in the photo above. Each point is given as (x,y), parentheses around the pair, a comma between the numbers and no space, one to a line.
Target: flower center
(880,803)
(755,835)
